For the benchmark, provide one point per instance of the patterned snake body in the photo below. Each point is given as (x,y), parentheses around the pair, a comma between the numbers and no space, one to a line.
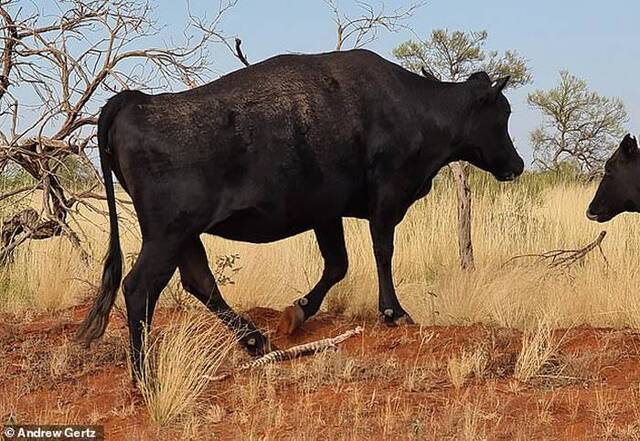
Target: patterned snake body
(294,352)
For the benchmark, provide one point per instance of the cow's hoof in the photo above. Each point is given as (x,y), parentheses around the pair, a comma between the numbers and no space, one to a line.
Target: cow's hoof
(256,344)
(390,318)
(292,318)
(404,320)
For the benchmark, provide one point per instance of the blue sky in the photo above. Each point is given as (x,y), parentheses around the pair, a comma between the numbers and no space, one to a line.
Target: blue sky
(595,40)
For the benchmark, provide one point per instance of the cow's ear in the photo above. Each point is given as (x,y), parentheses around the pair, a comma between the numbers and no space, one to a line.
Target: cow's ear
(481,77)
(488,91)
(629,145)
(499,85)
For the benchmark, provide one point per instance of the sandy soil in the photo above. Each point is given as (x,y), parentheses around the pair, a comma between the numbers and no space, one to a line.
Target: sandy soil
(389,383)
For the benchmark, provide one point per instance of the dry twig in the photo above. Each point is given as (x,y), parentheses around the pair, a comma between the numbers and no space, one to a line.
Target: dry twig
(239,54)
(564,259)
(359,30)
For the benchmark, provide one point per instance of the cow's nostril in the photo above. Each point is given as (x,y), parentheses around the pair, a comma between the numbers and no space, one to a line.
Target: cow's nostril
(507,177)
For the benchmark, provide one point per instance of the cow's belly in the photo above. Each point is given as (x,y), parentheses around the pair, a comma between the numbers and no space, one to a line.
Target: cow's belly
(256,229)
(269,223)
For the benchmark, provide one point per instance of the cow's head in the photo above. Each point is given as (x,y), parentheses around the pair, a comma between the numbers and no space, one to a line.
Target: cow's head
(485,140)
(619,189)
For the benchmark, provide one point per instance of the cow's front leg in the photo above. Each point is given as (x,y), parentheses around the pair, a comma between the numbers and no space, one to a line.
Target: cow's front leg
(198,280)
(382,236)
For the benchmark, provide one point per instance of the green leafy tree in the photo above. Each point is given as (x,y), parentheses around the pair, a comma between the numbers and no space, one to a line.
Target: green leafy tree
(580,126)
(453,56)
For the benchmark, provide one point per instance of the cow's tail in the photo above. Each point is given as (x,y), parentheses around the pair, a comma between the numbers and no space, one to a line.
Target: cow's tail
(96,320)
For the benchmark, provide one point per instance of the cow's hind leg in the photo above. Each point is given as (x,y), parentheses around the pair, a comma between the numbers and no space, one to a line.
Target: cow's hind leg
(330,239)
(154,267)
(198,280)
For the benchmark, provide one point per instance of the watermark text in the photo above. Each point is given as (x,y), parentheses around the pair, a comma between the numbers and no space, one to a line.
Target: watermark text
(49,432)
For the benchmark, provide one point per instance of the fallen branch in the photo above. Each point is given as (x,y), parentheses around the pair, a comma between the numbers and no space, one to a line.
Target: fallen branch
(311,348)
(563,259)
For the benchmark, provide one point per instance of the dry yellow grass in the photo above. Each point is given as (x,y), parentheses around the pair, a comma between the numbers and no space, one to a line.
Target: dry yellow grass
(178,362)
(45,276)
(538,347)
(461,367)
(509,219)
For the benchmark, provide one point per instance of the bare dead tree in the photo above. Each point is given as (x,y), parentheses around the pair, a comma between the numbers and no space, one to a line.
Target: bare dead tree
(55,73)
(360,30)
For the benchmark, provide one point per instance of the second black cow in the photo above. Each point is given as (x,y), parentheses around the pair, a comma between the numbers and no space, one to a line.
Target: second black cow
(619,189)
(294,143)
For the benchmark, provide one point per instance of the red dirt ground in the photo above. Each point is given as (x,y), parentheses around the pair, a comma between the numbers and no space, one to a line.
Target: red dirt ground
(588,390)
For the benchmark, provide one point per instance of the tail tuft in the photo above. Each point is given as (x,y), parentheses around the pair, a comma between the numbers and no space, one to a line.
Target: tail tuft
(95,323)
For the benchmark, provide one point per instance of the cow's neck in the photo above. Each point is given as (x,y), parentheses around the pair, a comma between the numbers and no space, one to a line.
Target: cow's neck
(444,120)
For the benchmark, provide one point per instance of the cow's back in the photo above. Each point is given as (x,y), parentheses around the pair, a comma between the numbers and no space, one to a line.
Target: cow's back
(323,96)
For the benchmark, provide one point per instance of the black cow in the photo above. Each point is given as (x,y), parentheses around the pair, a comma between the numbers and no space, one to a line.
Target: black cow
(294,143)
(619,190)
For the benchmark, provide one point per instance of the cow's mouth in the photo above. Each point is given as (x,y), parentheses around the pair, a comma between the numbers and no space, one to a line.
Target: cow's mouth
(506,177)
(598,217)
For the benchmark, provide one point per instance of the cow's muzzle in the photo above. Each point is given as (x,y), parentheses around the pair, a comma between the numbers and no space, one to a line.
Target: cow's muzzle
(512,171)
(598,217)
(506,177)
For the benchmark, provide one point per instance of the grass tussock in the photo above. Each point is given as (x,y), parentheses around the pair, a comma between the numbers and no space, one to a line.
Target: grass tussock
(460,368)
(178,361)
(538,346)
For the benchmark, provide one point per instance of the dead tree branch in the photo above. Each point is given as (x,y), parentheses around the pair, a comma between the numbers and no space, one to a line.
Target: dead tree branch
(55,73)
(238,53)
(360,30)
